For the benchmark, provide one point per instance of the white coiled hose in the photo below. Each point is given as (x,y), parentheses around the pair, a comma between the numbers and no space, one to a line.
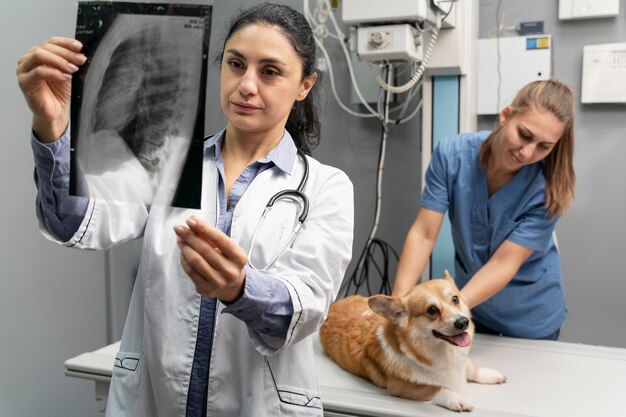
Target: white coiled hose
(418,73)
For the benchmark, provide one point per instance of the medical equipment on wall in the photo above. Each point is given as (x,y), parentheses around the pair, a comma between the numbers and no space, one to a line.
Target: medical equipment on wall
(604,73)
(389,37)
(587,9)
(393,32)
(378,40)
(297,195)
(506,64)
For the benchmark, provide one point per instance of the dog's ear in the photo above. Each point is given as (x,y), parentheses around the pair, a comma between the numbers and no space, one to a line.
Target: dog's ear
(389,307)
(447,276)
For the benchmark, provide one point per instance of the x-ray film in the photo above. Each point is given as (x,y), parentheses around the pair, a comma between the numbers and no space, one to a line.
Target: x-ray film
(137,111)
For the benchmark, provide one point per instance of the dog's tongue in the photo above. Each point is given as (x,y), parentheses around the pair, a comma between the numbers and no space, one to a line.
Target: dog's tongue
(461,339)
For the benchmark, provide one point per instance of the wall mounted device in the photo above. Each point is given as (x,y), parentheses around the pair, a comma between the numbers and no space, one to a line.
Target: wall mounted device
(389,32)
(530,28)
(506,64)
(392,42)
(587,9)
(604,73)
(368,12)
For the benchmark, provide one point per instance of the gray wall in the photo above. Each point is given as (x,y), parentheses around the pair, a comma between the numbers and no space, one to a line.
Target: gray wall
(591,235)
(53,300)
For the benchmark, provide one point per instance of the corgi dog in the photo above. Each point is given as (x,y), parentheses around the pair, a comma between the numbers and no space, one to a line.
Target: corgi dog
(415,346)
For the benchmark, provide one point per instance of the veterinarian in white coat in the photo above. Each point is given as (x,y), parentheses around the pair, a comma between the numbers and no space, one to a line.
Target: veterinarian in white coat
(206,333)
(505,191)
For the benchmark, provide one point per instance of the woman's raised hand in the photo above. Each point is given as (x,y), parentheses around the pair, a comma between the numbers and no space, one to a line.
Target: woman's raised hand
(44,75)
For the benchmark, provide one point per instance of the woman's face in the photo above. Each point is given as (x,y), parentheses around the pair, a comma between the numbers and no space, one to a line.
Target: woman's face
(261,77)
(525,138)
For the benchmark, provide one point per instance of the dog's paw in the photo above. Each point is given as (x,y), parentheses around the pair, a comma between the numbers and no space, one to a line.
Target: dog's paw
(452,401)
(488,376)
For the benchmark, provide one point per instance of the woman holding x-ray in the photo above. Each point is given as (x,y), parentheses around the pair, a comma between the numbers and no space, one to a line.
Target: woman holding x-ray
(179,355)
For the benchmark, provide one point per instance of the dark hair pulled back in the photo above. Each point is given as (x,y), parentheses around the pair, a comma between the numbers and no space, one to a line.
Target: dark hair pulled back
(303,122)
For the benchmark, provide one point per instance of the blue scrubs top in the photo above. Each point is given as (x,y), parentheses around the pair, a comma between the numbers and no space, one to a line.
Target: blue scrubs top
(532,305)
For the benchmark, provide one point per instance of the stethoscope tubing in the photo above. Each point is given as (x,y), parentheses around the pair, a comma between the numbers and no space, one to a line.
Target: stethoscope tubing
(298,195)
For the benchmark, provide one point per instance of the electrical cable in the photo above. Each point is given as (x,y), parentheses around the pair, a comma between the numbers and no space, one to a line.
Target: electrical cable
(374,248)
(445,15)
(361,274)
(406,101)
(401,118)
(412,115)
(369,264)
(334,88)
(341,37)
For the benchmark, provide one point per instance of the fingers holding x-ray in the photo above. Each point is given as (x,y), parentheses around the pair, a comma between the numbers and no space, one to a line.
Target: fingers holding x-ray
(140,101)
(213,261)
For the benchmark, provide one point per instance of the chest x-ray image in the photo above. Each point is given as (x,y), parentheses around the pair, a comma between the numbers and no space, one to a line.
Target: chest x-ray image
(138,103)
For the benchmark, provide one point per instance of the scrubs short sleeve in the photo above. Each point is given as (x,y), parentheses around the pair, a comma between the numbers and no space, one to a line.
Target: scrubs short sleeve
(435,194)
(534,231)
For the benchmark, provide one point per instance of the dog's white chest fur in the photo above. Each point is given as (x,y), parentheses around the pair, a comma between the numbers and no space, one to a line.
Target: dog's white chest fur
(448,367)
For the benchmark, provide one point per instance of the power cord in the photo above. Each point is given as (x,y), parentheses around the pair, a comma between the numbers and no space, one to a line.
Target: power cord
(367,259)
(368,264)
(374,249)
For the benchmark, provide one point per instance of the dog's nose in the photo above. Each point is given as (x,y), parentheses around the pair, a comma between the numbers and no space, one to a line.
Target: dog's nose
(461,323)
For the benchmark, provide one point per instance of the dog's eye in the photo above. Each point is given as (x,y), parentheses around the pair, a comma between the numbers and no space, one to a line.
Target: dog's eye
(432,310)
(455,299)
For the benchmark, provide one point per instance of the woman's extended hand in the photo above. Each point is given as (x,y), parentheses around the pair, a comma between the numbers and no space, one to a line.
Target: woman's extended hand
(44,75)
(212,260)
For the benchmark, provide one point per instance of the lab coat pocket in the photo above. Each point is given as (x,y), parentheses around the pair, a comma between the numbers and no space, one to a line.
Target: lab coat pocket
(124,390)
(294,395)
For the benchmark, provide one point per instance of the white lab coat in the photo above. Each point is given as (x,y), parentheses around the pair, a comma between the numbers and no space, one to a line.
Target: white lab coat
(251,374)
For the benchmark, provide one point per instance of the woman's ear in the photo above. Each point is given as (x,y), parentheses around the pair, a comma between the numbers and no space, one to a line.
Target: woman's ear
(306,86)
(505,114)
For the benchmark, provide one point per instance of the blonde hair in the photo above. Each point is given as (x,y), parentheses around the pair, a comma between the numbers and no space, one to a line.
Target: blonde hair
(557,98)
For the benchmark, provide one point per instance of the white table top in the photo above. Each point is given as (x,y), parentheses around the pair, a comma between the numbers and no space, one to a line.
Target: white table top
(545,379)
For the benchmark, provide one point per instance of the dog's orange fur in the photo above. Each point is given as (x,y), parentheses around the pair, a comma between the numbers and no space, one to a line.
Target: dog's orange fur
(390,341)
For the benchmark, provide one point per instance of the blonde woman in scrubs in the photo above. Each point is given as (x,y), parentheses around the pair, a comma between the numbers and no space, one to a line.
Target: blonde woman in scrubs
(504,191)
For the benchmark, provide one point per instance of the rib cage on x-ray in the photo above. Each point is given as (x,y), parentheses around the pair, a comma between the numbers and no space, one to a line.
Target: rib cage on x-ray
(138,95)
(141,90)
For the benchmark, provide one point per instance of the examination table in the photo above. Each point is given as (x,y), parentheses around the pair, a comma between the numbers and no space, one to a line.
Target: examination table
(545,379)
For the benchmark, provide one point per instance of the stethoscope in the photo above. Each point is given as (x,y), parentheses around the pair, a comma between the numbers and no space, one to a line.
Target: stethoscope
(297,195)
